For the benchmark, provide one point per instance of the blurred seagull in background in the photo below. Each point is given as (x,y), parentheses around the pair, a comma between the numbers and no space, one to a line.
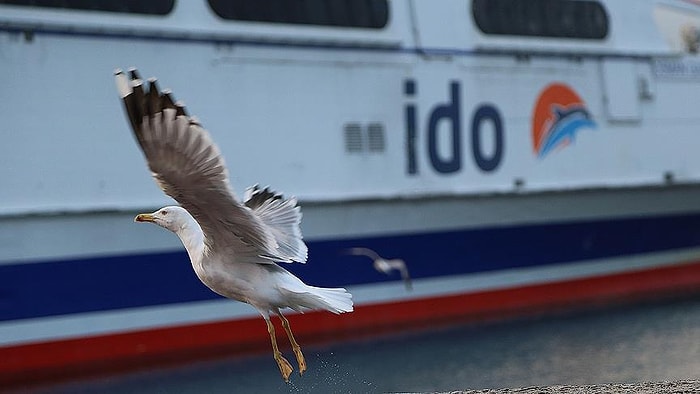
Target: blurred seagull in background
(234,246)
(385,266)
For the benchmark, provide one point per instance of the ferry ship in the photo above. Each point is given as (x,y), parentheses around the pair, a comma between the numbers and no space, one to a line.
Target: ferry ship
(518,156)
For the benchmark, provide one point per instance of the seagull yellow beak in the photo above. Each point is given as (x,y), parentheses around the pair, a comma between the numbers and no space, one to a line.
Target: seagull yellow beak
(144,217)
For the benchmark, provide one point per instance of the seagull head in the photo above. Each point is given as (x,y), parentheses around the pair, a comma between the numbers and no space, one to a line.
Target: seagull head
(172,218)
(179,221)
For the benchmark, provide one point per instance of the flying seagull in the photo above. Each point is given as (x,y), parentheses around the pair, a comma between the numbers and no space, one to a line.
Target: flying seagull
(383,265)
(234,246)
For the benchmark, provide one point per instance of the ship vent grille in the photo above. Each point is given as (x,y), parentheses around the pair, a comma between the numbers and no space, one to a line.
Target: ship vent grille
(375,137)
(364,138)
(353,138)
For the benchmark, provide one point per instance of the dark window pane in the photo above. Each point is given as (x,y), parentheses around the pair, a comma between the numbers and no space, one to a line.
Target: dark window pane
(583,19)
(342,13)
(151,7)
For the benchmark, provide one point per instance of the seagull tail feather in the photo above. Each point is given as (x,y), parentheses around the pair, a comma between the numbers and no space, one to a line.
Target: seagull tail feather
(335,300)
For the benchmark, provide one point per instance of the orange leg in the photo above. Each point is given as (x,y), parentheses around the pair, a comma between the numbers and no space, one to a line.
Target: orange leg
(285,367)
(295,345)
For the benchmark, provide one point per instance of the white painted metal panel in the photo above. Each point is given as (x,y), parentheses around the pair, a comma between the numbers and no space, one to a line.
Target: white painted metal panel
(621,85)
(279,113)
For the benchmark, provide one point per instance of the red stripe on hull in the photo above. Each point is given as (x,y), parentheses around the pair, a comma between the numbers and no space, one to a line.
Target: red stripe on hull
(33,363)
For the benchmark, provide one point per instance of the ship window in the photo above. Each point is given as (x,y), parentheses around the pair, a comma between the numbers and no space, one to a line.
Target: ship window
(583,19)
(151,7)
(371,14)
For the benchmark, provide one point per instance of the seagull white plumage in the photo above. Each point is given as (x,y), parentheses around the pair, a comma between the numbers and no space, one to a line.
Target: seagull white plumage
(234,247)
(385,265)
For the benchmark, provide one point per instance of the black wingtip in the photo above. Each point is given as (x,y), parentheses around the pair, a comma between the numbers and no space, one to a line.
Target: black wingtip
(258,196)
(153,98)
(131,91)
(134,73)
(166,99)
(153,84)
(137,87)
(180,108)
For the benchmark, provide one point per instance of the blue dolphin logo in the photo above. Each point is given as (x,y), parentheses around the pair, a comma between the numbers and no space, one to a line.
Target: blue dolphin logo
(567,121)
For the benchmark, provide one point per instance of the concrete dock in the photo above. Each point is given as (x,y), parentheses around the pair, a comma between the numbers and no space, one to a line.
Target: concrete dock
(677,387)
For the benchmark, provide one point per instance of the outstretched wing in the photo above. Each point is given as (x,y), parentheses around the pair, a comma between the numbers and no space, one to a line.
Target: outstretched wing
(363,252)
(282,217)
(189,167)
(400,265)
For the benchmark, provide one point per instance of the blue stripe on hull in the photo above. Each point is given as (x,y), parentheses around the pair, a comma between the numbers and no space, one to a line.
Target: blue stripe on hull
(66,287)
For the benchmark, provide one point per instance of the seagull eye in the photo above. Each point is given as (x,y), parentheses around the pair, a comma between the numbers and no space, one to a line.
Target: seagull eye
(163,213)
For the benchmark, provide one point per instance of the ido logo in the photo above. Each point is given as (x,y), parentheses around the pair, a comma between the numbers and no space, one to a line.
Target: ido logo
(558,115)
(444,124)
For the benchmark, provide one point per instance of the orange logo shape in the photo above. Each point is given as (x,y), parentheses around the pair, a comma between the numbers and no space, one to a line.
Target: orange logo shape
(558,115)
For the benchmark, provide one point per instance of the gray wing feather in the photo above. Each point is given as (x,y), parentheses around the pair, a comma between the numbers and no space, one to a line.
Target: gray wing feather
(189,167)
